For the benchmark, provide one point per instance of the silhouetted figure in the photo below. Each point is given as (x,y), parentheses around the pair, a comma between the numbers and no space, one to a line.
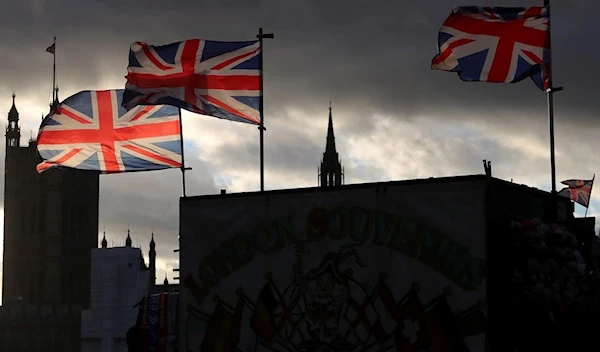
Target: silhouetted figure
(134,339)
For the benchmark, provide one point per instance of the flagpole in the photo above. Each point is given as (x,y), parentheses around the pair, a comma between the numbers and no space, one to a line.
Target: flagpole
(261,128)
(590,196)
(550,95)
(54,72)
(183,168)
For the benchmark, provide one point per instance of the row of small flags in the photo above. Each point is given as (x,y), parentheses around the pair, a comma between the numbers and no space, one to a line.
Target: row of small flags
(139,128)
(403,325)
(157,324)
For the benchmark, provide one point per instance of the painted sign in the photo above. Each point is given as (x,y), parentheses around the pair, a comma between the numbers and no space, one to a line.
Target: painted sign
(345,270)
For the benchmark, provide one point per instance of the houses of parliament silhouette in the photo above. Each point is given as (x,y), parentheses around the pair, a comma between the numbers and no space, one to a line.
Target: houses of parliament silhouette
(50,228)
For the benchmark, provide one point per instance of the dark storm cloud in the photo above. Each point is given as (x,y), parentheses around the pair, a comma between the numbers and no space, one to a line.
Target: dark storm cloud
(286,152)
(368,57)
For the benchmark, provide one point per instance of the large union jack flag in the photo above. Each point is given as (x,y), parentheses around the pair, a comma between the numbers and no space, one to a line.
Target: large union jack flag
(496,44)
(91,131)
(219,79)
(578,191)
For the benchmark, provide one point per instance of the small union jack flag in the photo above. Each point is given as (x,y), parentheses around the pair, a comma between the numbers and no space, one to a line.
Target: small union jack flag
(51,48)
(219,79)
(495,44)
(91,131)
(578,191)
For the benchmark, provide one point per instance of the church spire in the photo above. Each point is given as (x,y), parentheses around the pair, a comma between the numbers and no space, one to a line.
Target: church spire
(13,131)
(330,146)
(104,242)
(128,240)
(331,169)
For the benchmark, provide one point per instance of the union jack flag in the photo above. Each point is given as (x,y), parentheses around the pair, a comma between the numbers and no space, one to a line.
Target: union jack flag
(91,131)
(496,44)
(578,191)
(219,79)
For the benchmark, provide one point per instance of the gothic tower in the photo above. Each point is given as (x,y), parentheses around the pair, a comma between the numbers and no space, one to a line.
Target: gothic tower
(13,131)
(104,241)
(128,239)
(331,172)
(50,226)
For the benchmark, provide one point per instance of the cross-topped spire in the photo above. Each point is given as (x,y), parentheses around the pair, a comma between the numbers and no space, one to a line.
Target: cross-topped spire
(13,114)
(128,239)
(330,146)
(104,242)
(13,131)
(331,169)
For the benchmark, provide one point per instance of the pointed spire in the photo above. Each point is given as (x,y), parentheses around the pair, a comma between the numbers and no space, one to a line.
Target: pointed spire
(13,114)
(331,169)
(13,131)
(166,282)
(104,242)
(330,146)
(152,243)
(128,239)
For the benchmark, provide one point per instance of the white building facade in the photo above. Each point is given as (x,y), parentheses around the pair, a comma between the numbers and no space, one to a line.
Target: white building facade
(119,280)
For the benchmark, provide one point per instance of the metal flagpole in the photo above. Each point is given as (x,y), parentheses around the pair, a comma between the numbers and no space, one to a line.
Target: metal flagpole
(183,168)
(550,92)
(261,128)
(590,196)
(54,73)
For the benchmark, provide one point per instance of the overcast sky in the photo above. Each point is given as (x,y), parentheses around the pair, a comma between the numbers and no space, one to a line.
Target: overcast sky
(394,118)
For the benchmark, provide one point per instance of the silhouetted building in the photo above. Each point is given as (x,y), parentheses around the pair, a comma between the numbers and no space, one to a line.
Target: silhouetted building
(119,280)
(50,226)
(331,172)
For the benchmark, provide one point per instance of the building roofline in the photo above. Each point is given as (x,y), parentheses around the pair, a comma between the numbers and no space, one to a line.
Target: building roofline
(423,181)
(466,178)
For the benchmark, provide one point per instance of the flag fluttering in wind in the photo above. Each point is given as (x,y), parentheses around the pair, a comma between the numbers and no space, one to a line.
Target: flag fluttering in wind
(219,79)
(91,131)
(51,48)
(495,44)
(578,191)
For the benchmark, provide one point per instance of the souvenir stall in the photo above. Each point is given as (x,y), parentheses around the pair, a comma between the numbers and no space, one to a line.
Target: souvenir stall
(554,286)
(157,327)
